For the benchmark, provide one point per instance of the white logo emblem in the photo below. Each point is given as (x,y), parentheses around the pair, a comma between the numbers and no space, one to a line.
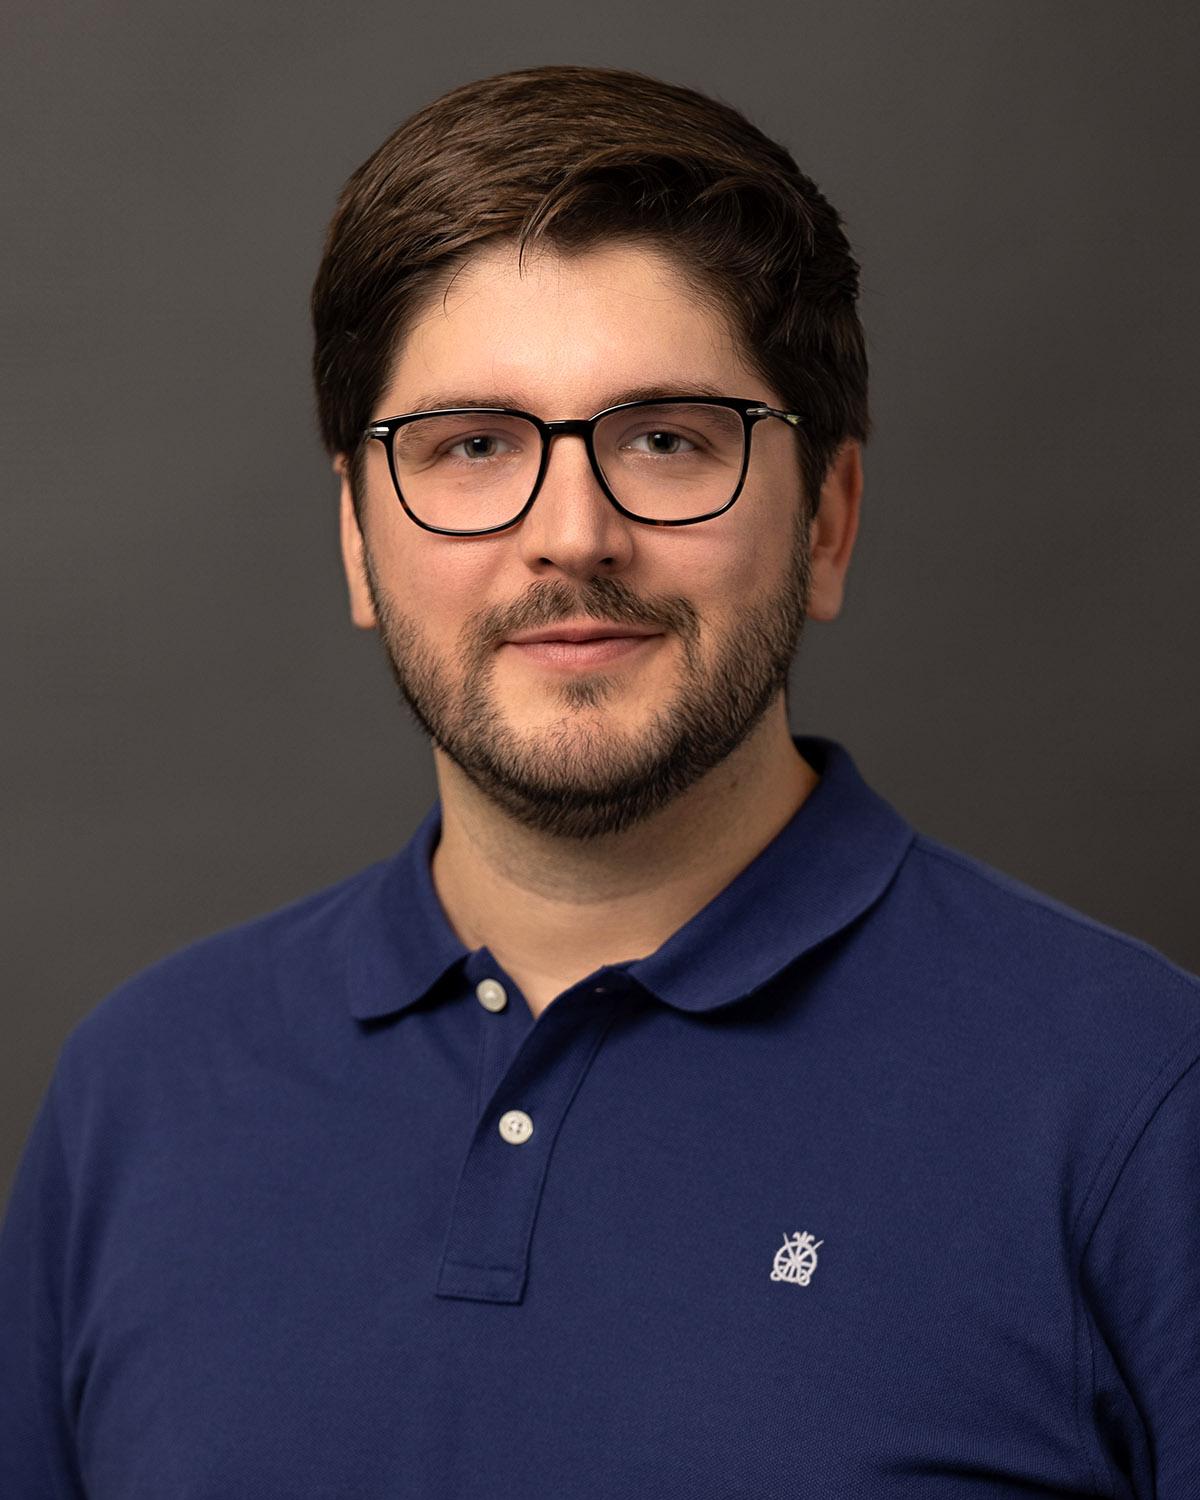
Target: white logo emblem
(796,1259)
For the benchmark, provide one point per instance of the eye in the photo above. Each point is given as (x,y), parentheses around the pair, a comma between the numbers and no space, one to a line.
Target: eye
(661,435)
(471,444)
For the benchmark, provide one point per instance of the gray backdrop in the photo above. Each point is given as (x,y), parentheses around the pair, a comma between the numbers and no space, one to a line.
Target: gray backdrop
(196,734)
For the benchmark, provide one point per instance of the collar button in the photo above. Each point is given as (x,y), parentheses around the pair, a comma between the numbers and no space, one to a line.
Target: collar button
(491,994)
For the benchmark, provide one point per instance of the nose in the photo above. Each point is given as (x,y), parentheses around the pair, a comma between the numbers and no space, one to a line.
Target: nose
(572,526)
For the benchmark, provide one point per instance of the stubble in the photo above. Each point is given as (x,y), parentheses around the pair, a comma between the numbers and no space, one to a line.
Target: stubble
(581,777)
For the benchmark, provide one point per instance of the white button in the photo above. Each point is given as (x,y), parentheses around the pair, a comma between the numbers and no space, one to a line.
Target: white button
(491,995)
(516,1127)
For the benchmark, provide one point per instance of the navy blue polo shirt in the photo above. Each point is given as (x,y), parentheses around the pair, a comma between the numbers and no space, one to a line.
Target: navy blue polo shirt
(879,1178)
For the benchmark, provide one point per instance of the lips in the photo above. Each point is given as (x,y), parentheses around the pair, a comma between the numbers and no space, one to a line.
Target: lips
(573,648)
(575,634)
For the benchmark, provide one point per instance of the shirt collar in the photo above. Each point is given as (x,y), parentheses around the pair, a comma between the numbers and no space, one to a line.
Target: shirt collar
(827,865)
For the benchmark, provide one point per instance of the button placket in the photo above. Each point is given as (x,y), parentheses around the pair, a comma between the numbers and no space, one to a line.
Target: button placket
(486,1252)
(504,1022)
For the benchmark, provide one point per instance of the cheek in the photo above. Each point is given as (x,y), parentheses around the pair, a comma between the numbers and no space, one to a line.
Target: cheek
(438,583)
(720,571)
(759,554)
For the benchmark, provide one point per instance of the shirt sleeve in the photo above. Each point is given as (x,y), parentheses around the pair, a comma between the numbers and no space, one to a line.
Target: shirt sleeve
(36,1453)
(1142,1283)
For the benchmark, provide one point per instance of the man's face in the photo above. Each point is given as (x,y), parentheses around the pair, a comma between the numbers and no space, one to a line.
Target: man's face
(587,739)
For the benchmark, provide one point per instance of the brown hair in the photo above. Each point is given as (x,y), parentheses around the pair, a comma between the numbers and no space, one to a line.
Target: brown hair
(571,157)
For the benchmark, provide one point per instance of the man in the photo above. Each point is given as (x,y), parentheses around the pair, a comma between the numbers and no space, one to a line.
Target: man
(669,1117)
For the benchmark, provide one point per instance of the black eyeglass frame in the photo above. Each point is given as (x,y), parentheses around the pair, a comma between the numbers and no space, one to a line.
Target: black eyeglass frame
(750,411)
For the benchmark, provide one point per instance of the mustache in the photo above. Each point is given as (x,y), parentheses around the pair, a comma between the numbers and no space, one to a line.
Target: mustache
(549,601)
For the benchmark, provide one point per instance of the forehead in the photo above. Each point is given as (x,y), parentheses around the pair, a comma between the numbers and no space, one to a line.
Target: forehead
(565,333)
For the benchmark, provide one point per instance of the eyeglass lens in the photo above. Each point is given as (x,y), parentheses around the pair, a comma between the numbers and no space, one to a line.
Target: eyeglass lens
(664,463)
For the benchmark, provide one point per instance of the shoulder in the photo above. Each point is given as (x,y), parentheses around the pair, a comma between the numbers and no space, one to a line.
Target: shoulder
(236,978)
(1066,1031)
(1042,962)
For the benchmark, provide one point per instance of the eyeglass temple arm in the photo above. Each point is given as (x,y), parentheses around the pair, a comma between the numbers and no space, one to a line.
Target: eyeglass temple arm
(769,411)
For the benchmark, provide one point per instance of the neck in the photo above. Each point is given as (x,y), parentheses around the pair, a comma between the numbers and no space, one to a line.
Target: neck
(552,910)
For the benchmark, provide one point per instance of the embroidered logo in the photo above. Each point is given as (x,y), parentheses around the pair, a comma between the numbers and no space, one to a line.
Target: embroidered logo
(796,1259)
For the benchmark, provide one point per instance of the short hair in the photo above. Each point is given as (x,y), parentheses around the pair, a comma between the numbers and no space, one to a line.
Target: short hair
(572,157)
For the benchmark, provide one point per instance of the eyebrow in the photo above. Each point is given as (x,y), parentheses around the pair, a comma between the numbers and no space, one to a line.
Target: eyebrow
(436,400)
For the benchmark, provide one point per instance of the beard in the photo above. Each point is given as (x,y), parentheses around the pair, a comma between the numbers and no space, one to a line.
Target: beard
(581,777)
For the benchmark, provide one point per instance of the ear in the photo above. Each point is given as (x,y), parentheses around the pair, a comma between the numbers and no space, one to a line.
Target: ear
(833,529)
(362,611)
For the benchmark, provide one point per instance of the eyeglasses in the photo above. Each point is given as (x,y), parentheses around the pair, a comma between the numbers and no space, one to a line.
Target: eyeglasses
(671,461)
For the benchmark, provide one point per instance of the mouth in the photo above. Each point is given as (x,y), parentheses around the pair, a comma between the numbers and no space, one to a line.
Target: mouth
(592,630)
(591,645)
